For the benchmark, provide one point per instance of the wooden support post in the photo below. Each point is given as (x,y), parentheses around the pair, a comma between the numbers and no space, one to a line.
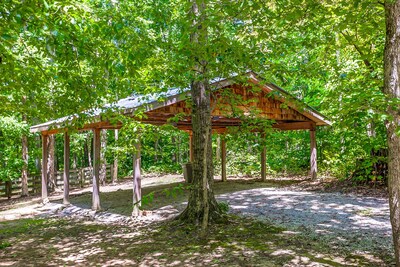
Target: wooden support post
(96,170)
(137,183)
(313,157)
(223,159)
(263,158)
(191,146)
(45,156)
(66,168)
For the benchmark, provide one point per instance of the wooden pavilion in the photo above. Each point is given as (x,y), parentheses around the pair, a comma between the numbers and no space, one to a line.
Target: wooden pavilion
(233,100)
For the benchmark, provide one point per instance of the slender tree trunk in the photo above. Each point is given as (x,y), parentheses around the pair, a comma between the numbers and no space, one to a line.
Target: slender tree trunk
(86,152)
(218,149)
(96,170)
(175,153)
(24,178)
(66,168)
(38,166)
(223,160)
(51,179)
(202,206)
(179,159)
(24,175)
(392,89)
(89,141)
(115,165)
(103,163)
(137,184)
(156,149)
(74,161)
(8,185)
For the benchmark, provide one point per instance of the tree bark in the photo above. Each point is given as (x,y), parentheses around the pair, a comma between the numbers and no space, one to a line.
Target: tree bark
(45,140)
(392,90)
(218,152)
(103,163)
(50,164)
(8,185)
(223,160)
(115,165)
(96,170)
(137,182)
(191,147)
(263,158)
(313,155)
(24,178)
(66,168)
(202,206)
(24,175)
(89,150)
(38,166)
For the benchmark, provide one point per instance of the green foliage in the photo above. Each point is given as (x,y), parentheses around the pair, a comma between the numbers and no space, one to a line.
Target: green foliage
(175,191)
(5,244)
(224,206)
(60,58)
(11,131)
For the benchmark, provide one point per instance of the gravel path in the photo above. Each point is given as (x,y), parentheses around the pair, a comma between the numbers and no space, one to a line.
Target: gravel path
(360,223)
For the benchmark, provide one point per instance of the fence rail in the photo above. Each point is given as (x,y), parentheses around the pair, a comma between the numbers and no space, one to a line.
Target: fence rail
(78,178)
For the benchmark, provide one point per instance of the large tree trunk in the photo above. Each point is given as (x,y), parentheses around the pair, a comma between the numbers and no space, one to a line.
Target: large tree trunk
(392,89)
(202,201)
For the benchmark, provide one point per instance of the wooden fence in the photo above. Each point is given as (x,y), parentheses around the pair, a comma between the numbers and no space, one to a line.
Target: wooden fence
(78,178)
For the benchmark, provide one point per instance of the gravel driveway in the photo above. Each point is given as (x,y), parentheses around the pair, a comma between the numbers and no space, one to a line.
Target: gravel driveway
(359,223)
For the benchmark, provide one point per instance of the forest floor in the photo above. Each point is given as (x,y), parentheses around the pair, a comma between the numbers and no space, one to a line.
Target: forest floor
(281,222)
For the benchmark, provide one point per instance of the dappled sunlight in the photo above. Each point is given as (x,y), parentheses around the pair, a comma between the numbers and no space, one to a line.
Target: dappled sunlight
(304,207)
(240,243)
(315,227)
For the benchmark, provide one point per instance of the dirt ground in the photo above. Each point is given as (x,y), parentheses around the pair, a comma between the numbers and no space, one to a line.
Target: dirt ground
(274,223)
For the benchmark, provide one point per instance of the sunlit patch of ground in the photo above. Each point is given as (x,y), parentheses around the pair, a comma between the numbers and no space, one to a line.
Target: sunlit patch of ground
(272,230)
(241,242)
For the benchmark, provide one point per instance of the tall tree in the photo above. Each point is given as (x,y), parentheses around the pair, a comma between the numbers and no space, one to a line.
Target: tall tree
(392,90)
(202,205)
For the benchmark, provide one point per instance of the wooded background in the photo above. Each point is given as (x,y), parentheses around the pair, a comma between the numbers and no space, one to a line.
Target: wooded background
(64,58)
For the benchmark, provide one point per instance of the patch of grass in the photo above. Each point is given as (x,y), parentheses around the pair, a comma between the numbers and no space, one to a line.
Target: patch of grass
(11,228)
(5,244)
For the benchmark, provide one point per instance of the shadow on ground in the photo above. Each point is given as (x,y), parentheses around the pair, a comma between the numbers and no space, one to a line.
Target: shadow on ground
(237,243)
(243,241)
